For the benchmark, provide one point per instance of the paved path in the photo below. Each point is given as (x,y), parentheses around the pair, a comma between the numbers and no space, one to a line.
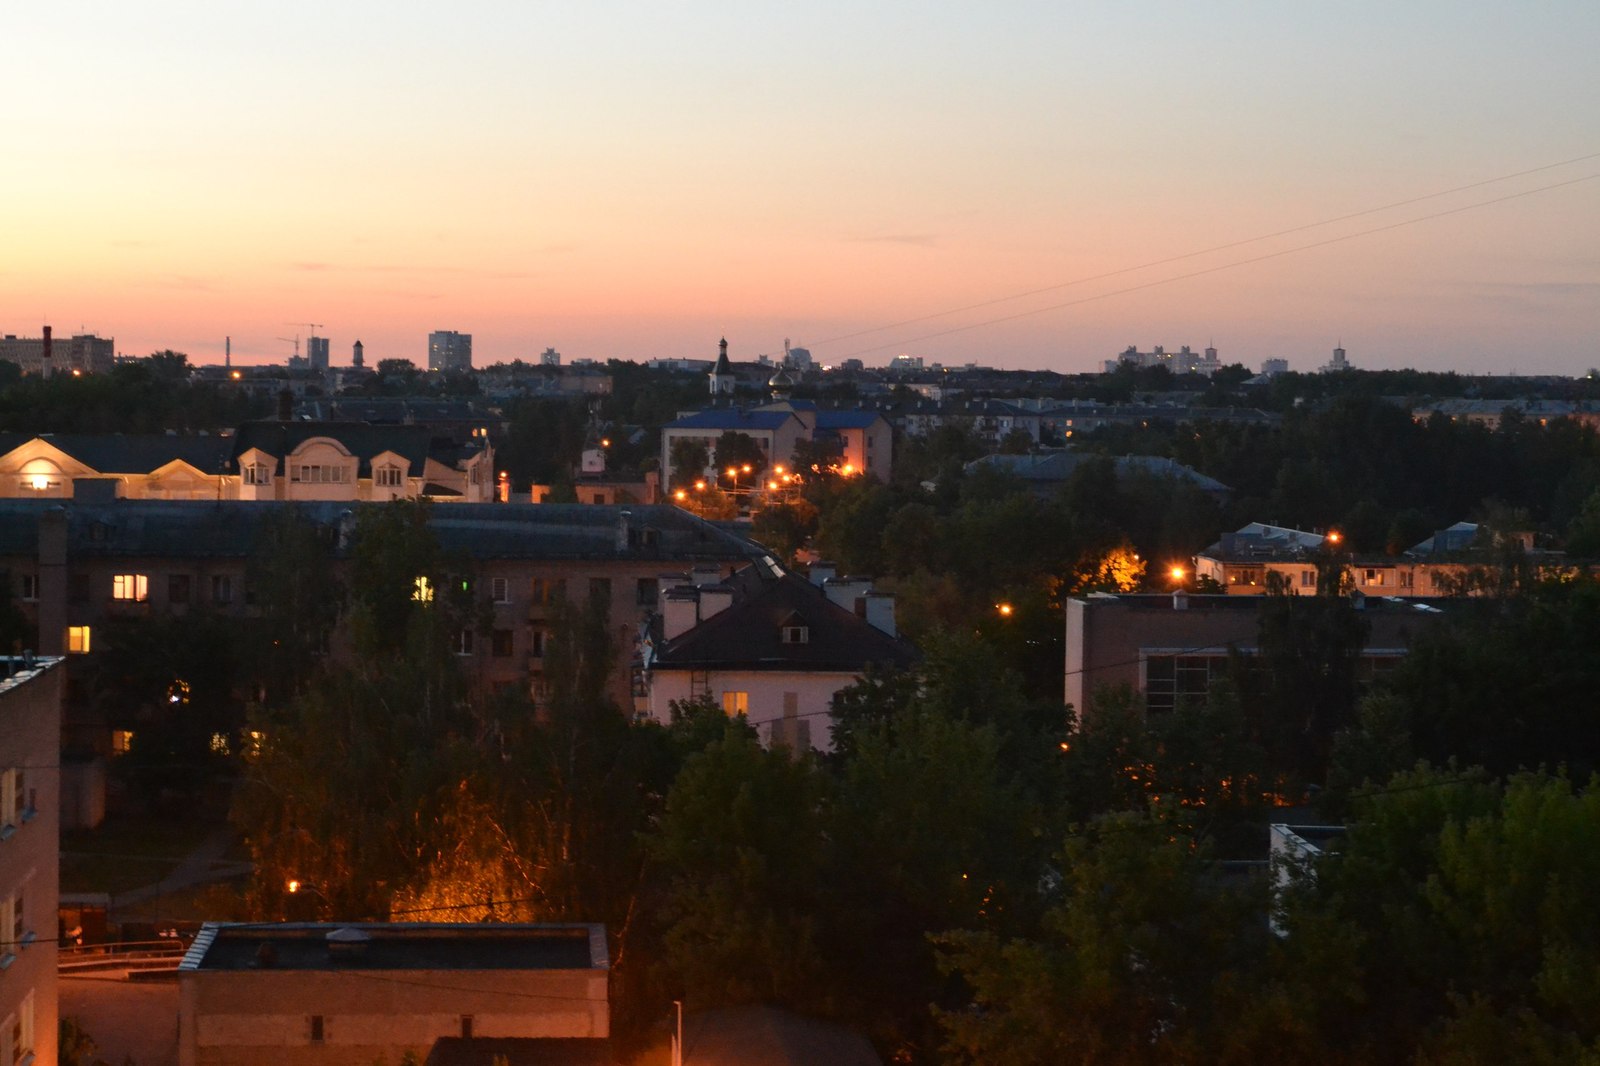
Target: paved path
(125,1018)
(201,866)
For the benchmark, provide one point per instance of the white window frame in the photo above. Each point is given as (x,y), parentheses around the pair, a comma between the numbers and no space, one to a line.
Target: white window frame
(500,589)
(130,588)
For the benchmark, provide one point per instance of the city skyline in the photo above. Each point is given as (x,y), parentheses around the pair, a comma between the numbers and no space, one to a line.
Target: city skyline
(626,182)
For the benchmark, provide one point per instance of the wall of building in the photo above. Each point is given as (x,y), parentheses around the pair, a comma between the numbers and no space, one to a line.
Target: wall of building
(264,1017)
(769,697)
(30,853)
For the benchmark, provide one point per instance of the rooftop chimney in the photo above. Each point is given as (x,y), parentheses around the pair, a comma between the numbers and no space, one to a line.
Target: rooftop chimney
(821,572)
(880,612)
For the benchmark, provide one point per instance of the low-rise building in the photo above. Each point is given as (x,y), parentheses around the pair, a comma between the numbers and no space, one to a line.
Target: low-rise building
(277,994)
(1172,648)
(769,645)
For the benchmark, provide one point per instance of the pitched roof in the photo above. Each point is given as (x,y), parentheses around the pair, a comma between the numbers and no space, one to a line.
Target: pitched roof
(218,529)
(749,634)
(364,441)
(732,419)
(140,453)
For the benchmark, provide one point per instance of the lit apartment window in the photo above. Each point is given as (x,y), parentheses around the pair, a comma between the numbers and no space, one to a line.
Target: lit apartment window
(220,744)
(386,477)
(422,590)
(1374,577)
(500,589)
(20,1031)
(135,587)
(78,640)
(736,702)
(121,741)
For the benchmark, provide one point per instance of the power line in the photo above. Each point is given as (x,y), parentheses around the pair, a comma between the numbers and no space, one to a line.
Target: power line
(1211,250)
(1216,269)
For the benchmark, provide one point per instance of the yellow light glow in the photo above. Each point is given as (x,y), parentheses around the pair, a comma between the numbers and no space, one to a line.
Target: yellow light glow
(745,468)
(1177,573)
(733,471)
(236,375)
(680,495)
(848,470)
(1005,609)
(605,442)
(772,486)
(39,482)
(699,486)
(1333,536)
(293,887)
(778,469)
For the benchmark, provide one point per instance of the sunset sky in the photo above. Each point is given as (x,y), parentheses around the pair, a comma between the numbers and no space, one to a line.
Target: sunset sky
(637,180)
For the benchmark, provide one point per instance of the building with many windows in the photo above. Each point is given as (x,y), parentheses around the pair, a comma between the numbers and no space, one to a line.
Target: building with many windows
(449,350)
(30,856)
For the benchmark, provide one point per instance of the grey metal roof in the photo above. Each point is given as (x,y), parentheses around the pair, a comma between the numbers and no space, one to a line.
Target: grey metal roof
(484,531)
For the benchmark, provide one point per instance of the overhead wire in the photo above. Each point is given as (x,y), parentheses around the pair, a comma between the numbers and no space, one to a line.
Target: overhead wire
(1213,249)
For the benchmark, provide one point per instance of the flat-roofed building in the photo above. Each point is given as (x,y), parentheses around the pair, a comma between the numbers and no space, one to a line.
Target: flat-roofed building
(348,995)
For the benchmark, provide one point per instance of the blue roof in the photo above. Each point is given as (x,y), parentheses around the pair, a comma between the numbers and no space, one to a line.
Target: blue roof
(731,419)
(846,419)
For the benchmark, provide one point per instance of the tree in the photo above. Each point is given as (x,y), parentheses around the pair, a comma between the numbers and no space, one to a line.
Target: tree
(739,453)
(741,849)
(689,459)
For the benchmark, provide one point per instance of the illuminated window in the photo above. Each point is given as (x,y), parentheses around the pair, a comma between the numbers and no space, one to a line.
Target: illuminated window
(422,590)
(135,587)
(220,744)
(78,640)
(736,702)
(121,741)
(252,743)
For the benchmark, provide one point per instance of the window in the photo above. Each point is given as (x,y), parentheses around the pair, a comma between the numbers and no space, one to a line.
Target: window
(221,588)
(422,590)
(121,741)
(178,588)
(221,744)
(462,645)
(646,593)
(317,474)
(77,640)
(736,702)
(1373,577)
(20,1031)
(549,590)
(1308,579)
(387,477)
(796,634)
(258,474)
(500,589)
(16,928)
(501,643)
(135,587)
(319,1030)
(536,644)
(466,1027)
(10,800)
(30,586)
(1407,579)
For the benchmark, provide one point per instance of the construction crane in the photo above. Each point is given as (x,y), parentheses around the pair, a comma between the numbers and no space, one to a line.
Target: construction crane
(294,341)
(311,326)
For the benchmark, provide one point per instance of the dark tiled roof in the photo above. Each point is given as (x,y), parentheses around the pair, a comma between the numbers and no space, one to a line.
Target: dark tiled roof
(748,635)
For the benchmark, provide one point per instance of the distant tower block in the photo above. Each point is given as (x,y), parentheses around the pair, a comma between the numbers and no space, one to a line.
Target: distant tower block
(550,357)
(227,353)
(358,356)
(317,352)
(722,374)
